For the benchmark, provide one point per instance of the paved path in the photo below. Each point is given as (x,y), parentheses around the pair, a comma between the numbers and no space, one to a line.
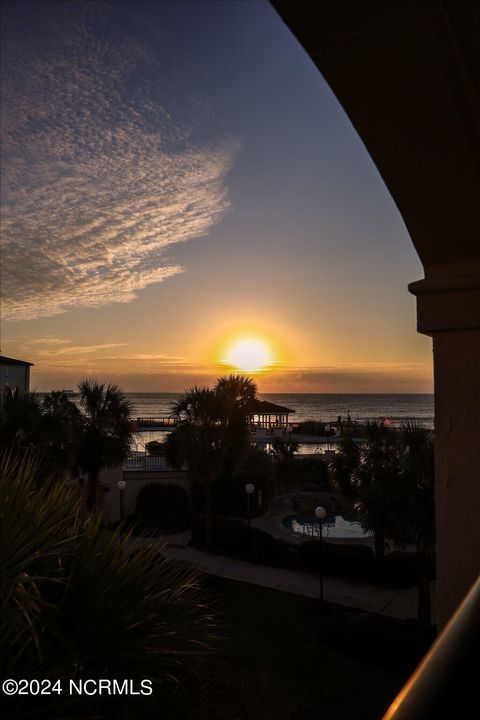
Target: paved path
(385,601)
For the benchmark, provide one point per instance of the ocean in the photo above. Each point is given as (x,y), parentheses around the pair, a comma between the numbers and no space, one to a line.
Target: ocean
(314,406)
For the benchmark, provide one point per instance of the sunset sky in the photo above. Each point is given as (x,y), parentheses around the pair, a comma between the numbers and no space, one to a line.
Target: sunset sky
(177,178)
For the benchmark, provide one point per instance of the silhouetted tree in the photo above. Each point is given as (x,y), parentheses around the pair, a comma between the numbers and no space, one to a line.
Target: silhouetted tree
(391,479)
(199,441)
(374,479)
(45,428)
(412,514)
(212,433)
(236,394)
(105,430)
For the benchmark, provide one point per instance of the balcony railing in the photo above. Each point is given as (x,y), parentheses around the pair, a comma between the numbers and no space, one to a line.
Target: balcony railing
(142,461)
(446,683)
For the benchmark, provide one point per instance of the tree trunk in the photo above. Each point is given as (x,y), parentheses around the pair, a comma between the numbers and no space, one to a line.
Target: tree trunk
(423,579)
(92,481)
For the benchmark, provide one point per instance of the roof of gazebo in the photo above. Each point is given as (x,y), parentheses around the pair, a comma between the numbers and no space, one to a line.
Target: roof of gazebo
(263,407)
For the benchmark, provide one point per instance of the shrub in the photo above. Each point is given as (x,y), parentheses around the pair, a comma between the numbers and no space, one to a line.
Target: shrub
(229,497)
(74,606)
(232,537)
(307,471)
(154,446)
(316,427)
(397,570)
(163,508)
(336,559)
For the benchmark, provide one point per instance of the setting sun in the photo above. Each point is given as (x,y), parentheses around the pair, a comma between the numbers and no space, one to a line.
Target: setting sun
(249,354)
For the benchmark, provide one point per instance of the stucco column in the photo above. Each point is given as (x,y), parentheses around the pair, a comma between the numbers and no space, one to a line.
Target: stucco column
(448,309)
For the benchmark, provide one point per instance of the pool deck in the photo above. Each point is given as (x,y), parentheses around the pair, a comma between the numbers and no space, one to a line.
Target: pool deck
(272,522)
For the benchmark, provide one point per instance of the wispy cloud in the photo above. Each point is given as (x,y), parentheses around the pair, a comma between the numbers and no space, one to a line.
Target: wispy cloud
(75,350)
(100,178)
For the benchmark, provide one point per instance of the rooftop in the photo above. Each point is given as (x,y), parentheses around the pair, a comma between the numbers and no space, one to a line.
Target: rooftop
(263,407)
(11,361)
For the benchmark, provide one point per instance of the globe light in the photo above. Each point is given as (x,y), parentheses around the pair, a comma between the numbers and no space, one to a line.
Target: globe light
(328,428)
(320,513)
(249,488)
(121,484)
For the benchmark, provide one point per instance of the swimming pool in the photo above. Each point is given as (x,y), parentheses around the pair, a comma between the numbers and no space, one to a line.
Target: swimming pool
(334,525)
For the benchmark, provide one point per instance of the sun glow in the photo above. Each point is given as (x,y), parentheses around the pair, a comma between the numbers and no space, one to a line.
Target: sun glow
(249,354)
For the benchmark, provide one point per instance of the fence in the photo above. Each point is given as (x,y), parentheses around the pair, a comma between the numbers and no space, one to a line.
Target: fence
(138,461)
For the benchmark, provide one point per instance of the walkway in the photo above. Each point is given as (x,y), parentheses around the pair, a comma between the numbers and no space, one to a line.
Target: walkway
(400,604)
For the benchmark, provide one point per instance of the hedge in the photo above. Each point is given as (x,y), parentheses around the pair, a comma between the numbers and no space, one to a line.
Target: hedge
(356,562)
(232,537)
(162,509)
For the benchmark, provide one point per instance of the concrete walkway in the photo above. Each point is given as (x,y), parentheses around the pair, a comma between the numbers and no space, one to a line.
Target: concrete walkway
(400,604)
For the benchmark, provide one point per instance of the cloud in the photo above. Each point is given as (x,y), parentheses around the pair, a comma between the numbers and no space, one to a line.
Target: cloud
(100,176)
(75,350)
(48,340)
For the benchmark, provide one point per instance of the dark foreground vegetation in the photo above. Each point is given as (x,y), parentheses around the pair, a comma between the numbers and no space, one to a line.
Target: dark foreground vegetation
(75,607)
(284,658)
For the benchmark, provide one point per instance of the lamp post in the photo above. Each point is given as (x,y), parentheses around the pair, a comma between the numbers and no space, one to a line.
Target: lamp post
(320,514)
(121,485)
(249,489)
(327,431)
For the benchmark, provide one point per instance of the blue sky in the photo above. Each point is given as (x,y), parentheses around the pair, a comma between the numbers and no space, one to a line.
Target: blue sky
(178,174)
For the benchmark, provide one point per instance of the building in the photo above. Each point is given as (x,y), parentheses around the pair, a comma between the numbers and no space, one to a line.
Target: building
(266,415)
(14,374)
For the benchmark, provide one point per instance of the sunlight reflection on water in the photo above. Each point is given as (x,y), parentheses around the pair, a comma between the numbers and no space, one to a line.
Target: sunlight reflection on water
(335,526)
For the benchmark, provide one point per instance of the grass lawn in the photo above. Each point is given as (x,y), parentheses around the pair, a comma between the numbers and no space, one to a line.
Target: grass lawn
(283,658)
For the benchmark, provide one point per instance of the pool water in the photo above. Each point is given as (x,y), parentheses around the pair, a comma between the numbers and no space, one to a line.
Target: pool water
(333,525)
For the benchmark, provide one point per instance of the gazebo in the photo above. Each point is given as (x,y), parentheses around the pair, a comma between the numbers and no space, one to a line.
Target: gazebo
(269,416)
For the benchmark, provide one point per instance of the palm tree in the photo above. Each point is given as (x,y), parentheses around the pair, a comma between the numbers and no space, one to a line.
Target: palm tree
(199,441)
(20,420)
(344,464)
(44,427)
(236,395)
(239,390)
(212,433)
(60,422)
(105,431)
(374,479)
(412,514)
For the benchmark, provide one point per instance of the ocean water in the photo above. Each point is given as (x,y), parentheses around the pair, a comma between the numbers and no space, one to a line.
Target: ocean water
(315,406)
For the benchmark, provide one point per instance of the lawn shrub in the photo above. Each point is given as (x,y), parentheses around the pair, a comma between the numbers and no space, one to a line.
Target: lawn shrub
(163,508)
